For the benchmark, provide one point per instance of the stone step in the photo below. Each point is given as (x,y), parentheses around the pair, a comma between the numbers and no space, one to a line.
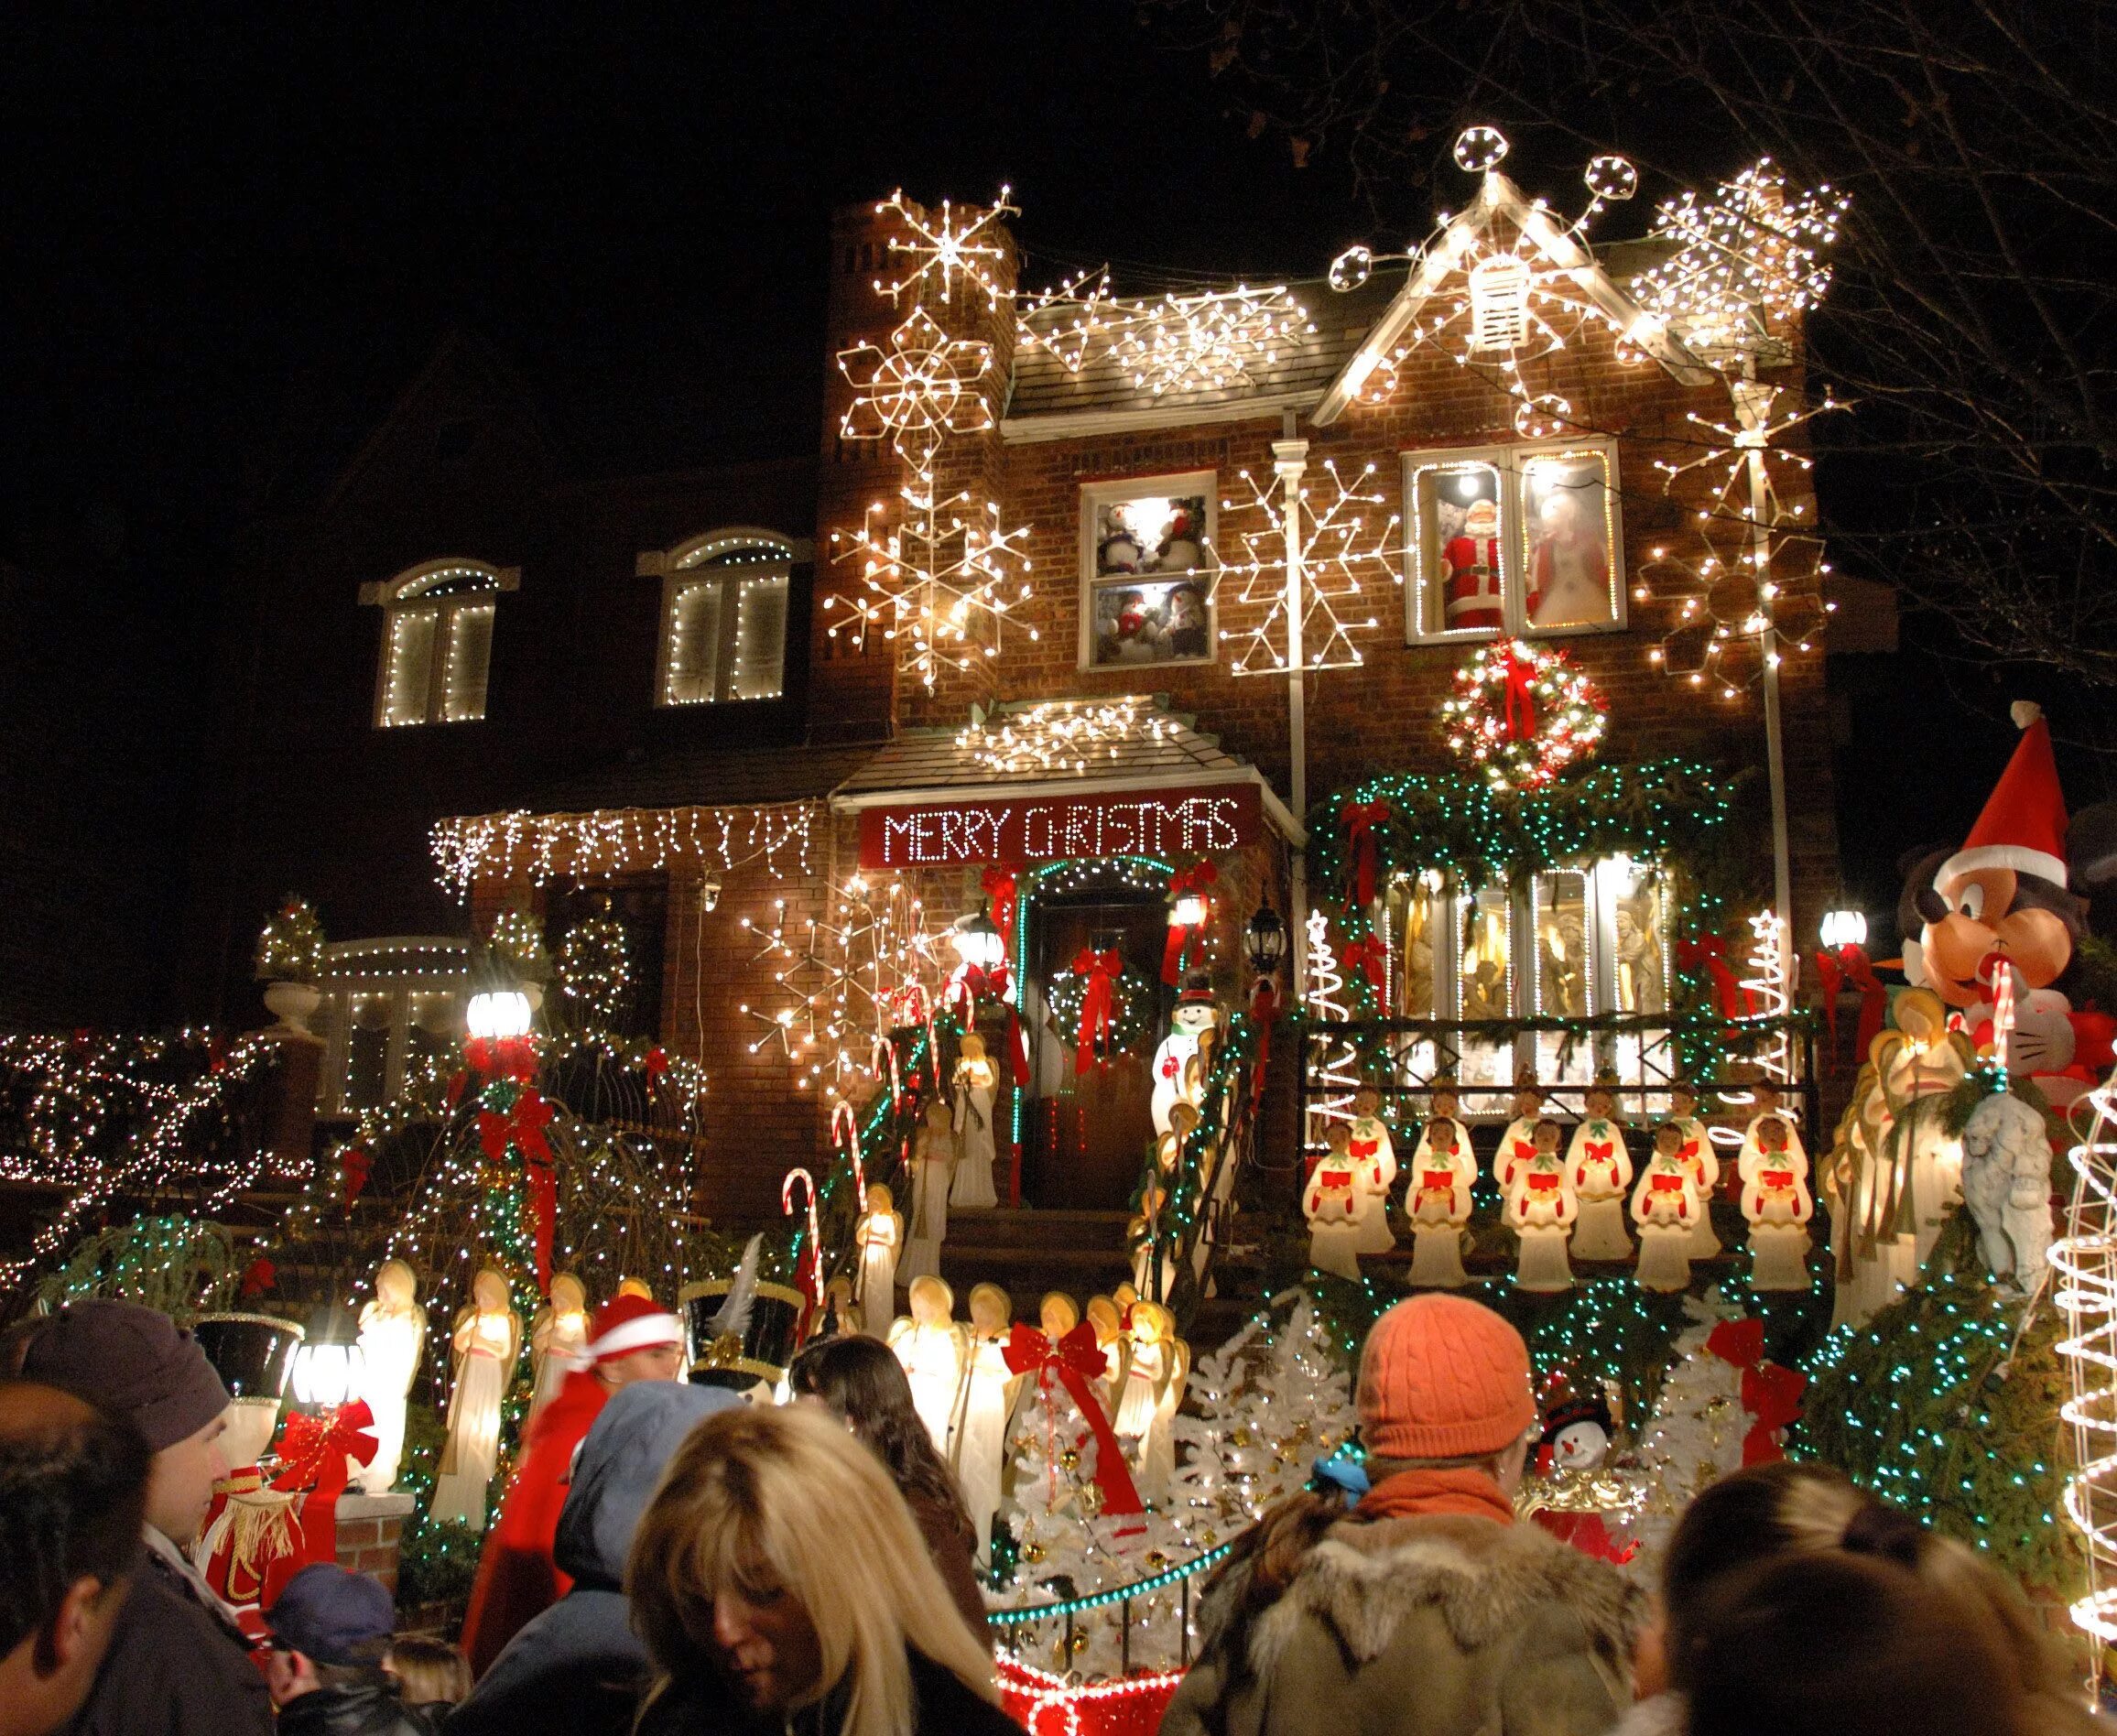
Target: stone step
(1030,1228)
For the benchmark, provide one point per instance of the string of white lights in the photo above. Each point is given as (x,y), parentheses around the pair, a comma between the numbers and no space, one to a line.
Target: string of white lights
(2085,1262)
(547,847)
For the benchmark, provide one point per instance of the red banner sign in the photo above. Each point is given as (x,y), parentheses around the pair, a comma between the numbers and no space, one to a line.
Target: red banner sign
(1146,822)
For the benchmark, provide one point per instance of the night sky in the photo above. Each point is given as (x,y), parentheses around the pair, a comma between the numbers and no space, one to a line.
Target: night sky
(231,245)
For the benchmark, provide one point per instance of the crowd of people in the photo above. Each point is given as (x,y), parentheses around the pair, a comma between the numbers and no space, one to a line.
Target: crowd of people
(722,1566)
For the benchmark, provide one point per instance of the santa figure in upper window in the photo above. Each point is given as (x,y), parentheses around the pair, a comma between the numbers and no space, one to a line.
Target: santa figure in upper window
(1473,570)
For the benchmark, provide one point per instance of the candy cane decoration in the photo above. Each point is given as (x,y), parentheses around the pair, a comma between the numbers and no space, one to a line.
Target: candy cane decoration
(882,1056)
(815,1236)
(2003,1014)
(845,1135)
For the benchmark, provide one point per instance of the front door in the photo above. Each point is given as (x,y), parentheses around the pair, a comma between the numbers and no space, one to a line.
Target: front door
(1085,1135)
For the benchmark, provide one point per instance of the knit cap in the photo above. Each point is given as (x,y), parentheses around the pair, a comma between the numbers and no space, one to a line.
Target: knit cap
(132,1363)
(1441,1377)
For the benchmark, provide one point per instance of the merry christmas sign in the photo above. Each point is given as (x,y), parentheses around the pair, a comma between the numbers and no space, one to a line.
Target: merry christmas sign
(1135,822)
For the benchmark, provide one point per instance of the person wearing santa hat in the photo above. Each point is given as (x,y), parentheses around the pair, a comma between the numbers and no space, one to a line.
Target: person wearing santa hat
(633,1339)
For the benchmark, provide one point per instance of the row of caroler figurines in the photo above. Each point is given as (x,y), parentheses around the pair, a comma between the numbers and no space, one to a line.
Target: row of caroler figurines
(1565,1196)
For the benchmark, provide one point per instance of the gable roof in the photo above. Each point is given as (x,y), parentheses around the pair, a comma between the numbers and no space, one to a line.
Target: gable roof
(1499,199)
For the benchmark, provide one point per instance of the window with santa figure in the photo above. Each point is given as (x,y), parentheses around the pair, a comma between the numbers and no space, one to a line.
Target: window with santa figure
(1147,570)
(1521,540)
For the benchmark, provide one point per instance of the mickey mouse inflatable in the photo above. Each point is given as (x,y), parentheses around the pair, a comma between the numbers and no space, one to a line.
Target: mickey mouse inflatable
(2005,901)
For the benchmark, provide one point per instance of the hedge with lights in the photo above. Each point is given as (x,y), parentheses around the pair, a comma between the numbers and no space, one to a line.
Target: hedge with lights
(1945,1404)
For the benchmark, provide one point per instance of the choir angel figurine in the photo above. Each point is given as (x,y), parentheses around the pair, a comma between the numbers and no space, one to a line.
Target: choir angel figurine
(1439,1200)
(1158,1366)
(1107,1323)
(977,1082)
(933,1165)
(1764,1100)
(1601,1170)
(1704,1169)
(1518,1143)
(979,1426)
(1333,1203)
(558,1336)
(487,1341)
(393,1338)
(1666,1207)
(879,1236)
(1375,1154)
(933,1348)
(1776,1201)
(1541,1208)
(1143,1234)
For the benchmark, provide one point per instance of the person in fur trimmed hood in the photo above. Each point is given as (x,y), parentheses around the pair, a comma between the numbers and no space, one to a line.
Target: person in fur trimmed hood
(1426,1609)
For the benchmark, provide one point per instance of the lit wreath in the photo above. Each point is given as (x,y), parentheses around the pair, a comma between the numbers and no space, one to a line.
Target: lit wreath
(1521,714)
(1132,1011)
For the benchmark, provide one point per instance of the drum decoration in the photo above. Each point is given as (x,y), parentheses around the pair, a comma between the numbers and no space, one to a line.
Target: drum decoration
(254,1355)
(763,1350)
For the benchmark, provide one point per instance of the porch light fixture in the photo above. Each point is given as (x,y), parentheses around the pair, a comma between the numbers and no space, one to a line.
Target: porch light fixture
(1265,940)
(327,1374)
(710,892)
(1189,911)
(1844,928)
(497,1014)
(977,941)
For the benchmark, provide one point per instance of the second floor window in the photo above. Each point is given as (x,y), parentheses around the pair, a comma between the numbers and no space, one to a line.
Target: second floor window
(724,620)
(437,643)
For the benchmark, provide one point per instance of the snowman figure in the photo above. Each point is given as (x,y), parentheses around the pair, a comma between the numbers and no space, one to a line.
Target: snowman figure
(1374,1152)
(1195,1014)
(1438,1200)
(1776,1201)
(1541,1210)
(1518,1143)
(1705,1169)
(1333,1203)
(1601,1170)
(1575,1491)
(1666,1207)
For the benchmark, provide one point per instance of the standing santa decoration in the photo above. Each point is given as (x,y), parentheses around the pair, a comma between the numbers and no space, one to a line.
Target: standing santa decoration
(1474,598)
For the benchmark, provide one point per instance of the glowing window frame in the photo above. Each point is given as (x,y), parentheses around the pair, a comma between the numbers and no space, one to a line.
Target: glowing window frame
(1165,485)
(403,595)
(680,566)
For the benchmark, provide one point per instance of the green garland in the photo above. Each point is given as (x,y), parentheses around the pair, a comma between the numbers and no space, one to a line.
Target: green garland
(1132,1008)
(1945,1405)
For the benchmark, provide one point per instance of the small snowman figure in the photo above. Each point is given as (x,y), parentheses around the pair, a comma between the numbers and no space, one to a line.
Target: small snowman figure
(1439,1200)
(1575,1490)
(1333,1204)
(1518,1143)
(1600,1169)
(1776,1201)
(1666,1207)
(977,1082)
(1704,1169)
(933,1350)
(879,1236)
(1541,1210)
(933,1167)
(1195,1014)
(1374,1154)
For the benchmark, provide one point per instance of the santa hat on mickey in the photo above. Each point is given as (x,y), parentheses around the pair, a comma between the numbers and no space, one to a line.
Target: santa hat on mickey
(2024,823)
(629,1323)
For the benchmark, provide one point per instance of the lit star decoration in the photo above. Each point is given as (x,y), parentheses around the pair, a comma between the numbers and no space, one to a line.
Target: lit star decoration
(1505,288)
(1059,735)
(1522,713)
(1348,550)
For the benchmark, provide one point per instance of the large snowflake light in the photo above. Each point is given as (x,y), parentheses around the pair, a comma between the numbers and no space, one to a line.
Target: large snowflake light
(922,388)
(957,250)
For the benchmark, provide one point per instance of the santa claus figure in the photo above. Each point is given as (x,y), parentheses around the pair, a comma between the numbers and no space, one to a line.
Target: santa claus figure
(631,1338)
(1666,1207)
(1600,1169)
(1776,1201)
(1473,598)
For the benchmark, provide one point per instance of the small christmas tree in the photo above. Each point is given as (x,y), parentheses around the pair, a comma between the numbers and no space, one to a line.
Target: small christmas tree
(290,947)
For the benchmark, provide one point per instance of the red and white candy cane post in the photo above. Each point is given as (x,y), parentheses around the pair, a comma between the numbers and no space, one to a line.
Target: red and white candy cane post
(813,1258)
(845,1135)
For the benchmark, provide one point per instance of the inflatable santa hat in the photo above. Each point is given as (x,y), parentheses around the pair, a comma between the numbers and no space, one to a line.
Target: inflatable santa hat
(2024,823)
(629,1323)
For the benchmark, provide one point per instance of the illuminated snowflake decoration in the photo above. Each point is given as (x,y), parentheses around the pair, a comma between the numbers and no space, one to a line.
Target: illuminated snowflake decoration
(1344,550)
(1745,586)
(1522,713)
(1064,734)
(958,249)
(1752,253)
(917,392)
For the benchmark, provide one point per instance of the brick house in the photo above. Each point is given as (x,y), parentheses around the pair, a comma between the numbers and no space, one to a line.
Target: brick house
(646,698)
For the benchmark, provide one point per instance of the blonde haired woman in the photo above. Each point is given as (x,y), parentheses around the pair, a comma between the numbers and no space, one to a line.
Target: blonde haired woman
(778,1570)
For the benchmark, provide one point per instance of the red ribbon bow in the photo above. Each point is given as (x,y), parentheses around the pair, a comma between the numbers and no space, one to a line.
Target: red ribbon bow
(1098,1003)
(1833,971)
(1075,1360)
(1369,956)
(502,1056)
(1521,711)
(1199,878)
(522,1125)
(1002,886)
(1771,1393)
(1361,820)
(1708,952)
(312,1454)
(355,1168)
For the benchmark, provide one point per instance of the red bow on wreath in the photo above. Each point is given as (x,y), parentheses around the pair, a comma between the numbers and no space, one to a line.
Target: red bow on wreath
(1000,884)
(1075,1360)
(1197,881)
(1708,952)
(1520,709)
(312,1454)
(1772,1394)
(1361,820)
(1369,955)
(1098,972)
(1850,964)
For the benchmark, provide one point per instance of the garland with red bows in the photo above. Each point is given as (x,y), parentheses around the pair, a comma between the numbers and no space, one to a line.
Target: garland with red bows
(1074,1361)
(522,1182)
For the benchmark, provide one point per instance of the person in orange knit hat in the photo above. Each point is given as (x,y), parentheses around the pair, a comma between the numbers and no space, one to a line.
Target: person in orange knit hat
(1425,1610)
(631,1339)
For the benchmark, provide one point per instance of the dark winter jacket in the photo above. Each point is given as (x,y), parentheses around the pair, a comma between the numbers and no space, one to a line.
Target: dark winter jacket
(579,1666)
(1438,1623)
(709,1708)
(951,1559)
(176,1665)
(368,1708)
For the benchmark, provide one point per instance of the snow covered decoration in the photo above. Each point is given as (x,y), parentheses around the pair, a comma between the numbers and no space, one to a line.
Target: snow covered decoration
(2007,1183)
(1522,713)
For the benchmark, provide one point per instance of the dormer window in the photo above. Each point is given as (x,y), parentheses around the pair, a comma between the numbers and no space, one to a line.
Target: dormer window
(723,618)
(437,641)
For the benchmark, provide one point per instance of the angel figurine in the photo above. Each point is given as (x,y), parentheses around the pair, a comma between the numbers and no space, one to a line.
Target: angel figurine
(1666,1208)
(1439,1200)
(487,1340)
(878,1235)
(1601,1171)
(1333,1204)
(977,1082)
(393,1338)
(1518,1143)
(1156,1371)
(558,1335)
(1541,1208)
(979,1426)
(1374,1154)
(1704,1169)
(1764,1100)
(933,1162)
(933,1348)
(1776,1201)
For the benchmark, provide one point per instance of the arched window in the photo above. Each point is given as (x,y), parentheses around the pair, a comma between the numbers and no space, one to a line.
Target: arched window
(437,641)
(723,617)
